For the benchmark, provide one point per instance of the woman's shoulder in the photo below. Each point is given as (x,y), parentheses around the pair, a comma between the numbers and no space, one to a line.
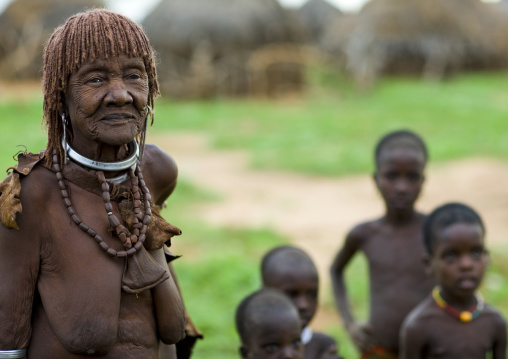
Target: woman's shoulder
(160,172)
(159,162)
(28,188)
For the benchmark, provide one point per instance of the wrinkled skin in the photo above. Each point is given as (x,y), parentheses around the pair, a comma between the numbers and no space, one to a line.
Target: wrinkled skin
(61,294)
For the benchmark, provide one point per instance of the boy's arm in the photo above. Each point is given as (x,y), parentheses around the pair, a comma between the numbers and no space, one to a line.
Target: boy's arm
(359,333)
(499,347)
(412,339)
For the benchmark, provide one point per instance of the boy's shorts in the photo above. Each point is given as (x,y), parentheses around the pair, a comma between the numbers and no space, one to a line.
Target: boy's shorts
(378,353)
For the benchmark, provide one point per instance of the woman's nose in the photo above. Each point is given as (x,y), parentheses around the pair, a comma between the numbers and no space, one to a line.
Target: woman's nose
(118,94)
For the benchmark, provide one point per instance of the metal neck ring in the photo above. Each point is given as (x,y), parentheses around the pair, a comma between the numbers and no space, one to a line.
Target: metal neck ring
(106,166)
(12,354)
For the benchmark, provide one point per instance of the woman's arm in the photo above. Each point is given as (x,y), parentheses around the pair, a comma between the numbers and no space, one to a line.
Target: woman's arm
(169,308)
(19,270)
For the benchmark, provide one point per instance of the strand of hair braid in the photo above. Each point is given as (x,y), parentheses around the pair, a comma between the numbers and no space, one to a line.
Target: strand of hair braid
(131,241)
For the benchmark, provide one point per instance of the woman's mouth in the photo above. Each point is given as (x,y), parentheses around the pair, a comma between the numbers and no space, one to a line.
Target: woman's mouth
(117,117)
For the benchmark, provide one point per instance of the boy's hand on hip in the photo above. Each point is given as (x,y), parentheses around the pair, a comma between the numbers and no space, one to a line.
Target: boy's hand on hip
(361,335)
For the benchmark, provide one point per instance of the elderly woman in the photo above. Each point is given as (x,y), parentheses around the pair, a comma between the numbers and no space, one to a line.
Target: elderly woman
(83,260)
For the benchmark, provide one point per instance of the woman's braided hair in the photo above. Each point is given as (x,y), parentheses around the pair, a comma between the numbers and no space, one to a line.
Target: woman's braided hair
(85,37)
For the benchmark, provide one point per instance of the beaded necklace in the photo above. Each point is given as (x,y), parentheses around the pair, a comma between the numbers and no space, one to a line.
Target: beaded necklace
(132,242)
(464,316)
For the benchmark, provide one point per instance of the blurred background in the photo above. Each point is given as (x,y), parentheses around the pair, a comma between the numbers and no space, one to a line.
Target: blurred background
(272,111)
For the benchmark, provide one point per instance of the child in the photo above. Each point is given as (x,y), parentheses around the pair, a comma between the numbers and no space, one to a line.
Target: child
(454,322)
(269,326)
(393,247)
(291,270)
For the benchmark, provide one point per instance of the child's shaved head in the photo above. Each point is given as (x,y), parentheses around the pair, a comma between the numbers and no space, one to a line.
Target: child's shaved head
(400,139)
(446,215)
(285,259)
(292,271)
(257,309)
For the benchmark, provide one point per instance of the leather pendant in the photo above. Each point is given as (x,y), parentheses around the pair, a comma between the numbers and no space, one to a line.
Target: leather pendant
(142,272)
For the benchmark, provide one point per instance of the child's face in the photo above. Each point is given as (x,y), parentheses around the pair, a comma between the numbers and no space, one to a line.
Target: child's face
(399,177)
(459,259)
(277,337)
(301,285)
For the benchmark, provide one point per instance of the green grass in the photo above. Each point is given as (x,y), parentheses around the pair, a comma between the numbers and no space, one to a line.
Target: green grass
(330,131)
(219,267)
(334,133)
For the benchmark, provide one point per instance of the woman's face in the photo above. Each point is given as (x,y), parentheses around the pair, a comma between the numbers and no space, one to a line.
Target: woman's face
(106,101)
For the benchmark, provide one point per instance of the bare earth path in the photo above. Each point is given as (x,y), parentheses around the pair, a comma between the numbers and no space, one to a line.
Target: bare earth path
(314,212)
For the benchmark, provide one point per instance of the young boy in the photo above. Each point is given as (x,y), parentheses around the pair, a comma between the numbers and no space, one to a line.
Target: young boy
(393,247)
(291,270)
(454,322)
(269,326)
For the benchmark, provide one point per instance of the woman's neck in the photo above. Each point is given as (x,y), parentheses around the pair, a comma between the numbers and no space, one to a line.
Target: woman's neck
(100,151)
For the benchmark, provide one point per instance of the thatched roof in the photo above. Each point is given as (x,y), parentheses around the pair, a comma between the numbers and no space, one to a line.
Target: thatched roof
(430,36)
(203,45)
(25,26)
(316,15)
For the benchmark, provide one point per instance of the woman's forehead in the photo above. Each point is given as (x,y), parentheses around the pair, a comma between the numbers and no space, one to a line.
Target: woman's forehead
(122,61)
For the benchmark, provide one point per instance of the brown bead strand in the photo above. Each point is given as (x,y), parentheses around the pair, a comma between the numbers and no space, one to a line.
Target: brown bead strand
(127,238)
(92,233)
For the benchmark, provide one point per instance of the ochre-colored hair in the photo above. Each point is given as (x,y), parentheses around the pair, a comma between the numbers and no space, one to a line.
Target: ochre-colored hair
(85,37)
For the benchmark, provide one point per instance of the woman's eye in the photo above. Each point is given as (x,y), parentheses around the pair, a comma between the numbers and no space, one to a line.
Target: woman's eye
(133,77)
(94,80)
(271,348)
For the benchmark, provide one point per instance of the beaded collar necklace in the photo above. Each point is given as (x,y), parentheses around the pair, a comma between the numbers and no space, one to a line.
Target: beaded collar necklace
(464,316)
(132,238)
(129,162)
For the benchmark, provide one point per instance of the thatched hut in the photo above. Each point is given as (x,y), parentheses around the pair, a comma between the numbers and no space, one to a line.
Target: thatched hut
(25,26)
(431,37)
(204,46)
(316,15)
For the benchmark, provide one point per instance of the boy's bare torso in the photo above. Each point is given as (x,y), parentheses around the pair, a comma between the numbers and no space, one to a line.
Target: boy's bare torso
(445,337)
(398,281)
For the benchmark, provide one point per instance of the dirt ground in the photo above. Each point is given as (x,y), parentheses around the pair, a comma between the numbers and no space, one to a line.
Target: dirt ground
(314,212)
